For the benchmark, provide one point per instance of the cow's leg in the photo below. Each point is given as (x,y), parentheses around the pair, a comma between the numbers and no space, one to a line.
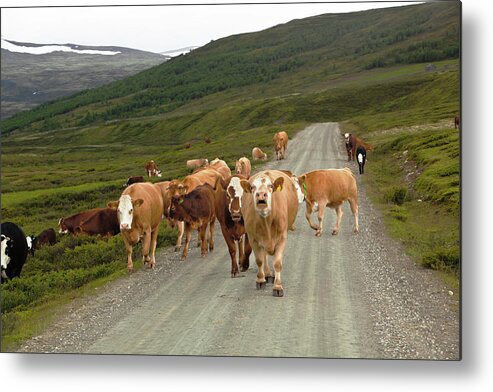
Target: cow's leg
(339,214)
(154,235)
(211,235)
(320,216)
(181,229)
(308,214)
(128,248)
(188,234)
(146,245)
(199,243)
(261,260)
(277,290)
(247,251)
(354,209)
(203,240)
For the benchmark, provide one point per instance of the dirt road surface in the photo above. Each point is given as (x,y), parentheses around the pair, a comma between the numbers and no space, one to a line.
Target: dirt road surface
(345,296)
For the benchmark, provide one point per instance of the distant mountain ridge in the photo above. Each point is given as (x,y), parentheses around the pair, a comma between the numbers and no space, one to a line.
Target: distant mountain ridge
(35,73)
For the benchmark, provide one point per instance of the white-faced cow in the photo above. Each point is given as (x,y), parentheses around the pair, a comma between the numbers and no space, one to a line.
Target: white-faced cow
(46,237)
(140,211)
(329,188)
(14,250)
(228,212)
(243,167)
(269,208)
(280,140)
(152,169)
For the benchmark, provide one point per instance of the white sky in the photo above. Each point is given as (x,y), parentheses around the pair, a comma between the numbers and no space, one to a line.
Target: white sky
(156,28)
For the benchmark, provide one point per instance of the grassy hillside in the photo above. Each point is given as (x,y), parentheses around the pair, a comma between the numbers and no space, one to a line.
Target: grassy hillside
(366,70)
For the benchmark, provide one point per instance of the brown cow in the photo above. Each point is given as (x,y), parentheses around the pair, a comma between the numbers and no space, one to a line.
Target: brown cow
(280,140)
(353,142)
(104,222)
(197,210)
(195,163)
(140,211)
(163,188)
(329,188)
(69,223)
(46,237)
(257,154)
(152,169)
(243,167)
(269,208)
(228,204)
(456,122)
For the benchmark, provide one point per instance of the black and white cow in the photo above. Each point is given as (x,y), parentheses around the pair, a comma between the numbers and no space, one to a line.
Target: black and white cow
(361,157)
(14,250)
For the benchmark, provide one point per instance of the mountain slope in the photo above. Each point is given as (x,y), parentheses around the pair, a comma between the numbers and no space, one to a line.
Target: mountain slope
(29,79)
(303,54)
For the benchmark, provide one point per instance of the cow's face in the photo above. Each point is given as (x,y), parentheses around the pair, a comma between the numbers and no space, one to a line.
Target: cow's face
(238,167)
(125,210)
(262,189)
(234,193)
(176,210)
(5,258)
(62,227)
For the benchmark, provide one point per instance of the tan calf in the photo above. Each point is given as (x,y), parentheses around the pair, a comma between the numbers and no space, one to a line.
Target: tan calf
(257,154)
(280,140)
(243,166)
(329,188)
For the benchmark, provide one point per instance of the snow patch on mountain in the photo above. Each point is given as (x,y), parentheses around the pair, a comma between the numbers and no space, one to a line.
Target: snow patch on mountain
(52,48)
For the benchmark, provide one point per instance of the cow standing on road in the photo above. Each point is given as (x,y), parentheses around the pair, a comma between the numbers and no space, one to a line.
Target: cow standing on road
(140,211)
(269,208)
(329,188)
(280,140)
(228,211)
(361,157)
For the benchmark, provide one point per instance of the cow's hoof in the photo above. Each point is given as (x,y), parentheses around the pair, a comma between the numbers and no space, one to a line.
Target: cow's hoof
(278,293)
(269,279)
(183,258)
(177,248)
(334,232)
(235,274)
(356,231)
(260,285)
(318,234)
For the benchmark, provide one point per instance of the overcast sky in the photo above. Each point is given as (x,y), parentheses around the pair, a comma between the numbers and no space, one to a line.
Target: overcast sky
(152,28)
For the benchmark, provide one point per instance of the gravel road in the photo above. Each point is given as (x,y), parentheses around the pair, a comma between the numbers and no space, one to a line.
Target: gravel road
(345,296)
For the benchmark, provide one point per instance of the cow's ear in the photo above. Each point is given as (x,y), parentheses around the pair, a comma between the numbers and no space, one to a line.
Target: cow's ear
(278,183)
(138,202)
(246,186)
(112,204)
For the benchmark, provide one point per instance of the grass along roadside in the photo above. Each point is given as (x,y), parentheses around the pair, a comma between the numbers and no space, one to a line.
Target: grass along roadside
(413,177)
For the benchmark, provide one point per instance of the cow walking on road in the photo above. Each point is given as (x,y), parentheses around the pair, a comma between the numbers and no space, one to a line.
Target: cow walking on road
(269,208)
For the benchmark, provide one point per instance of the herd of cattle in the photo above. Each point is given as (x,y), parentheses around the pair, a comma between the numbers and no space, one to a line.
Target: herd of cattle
(255,211)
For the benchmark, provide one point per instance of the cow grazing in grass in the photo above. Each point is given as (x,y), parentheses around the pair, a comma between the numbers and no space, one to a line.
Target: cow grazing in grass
(103,222)
(258,154)
(69,224)
(280,140)
(269,208)
(45,238)
(197,210)
(228,212)
(243,166)
(195,163)
(152,169)
(329,188)
(140,211)
(13,251)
